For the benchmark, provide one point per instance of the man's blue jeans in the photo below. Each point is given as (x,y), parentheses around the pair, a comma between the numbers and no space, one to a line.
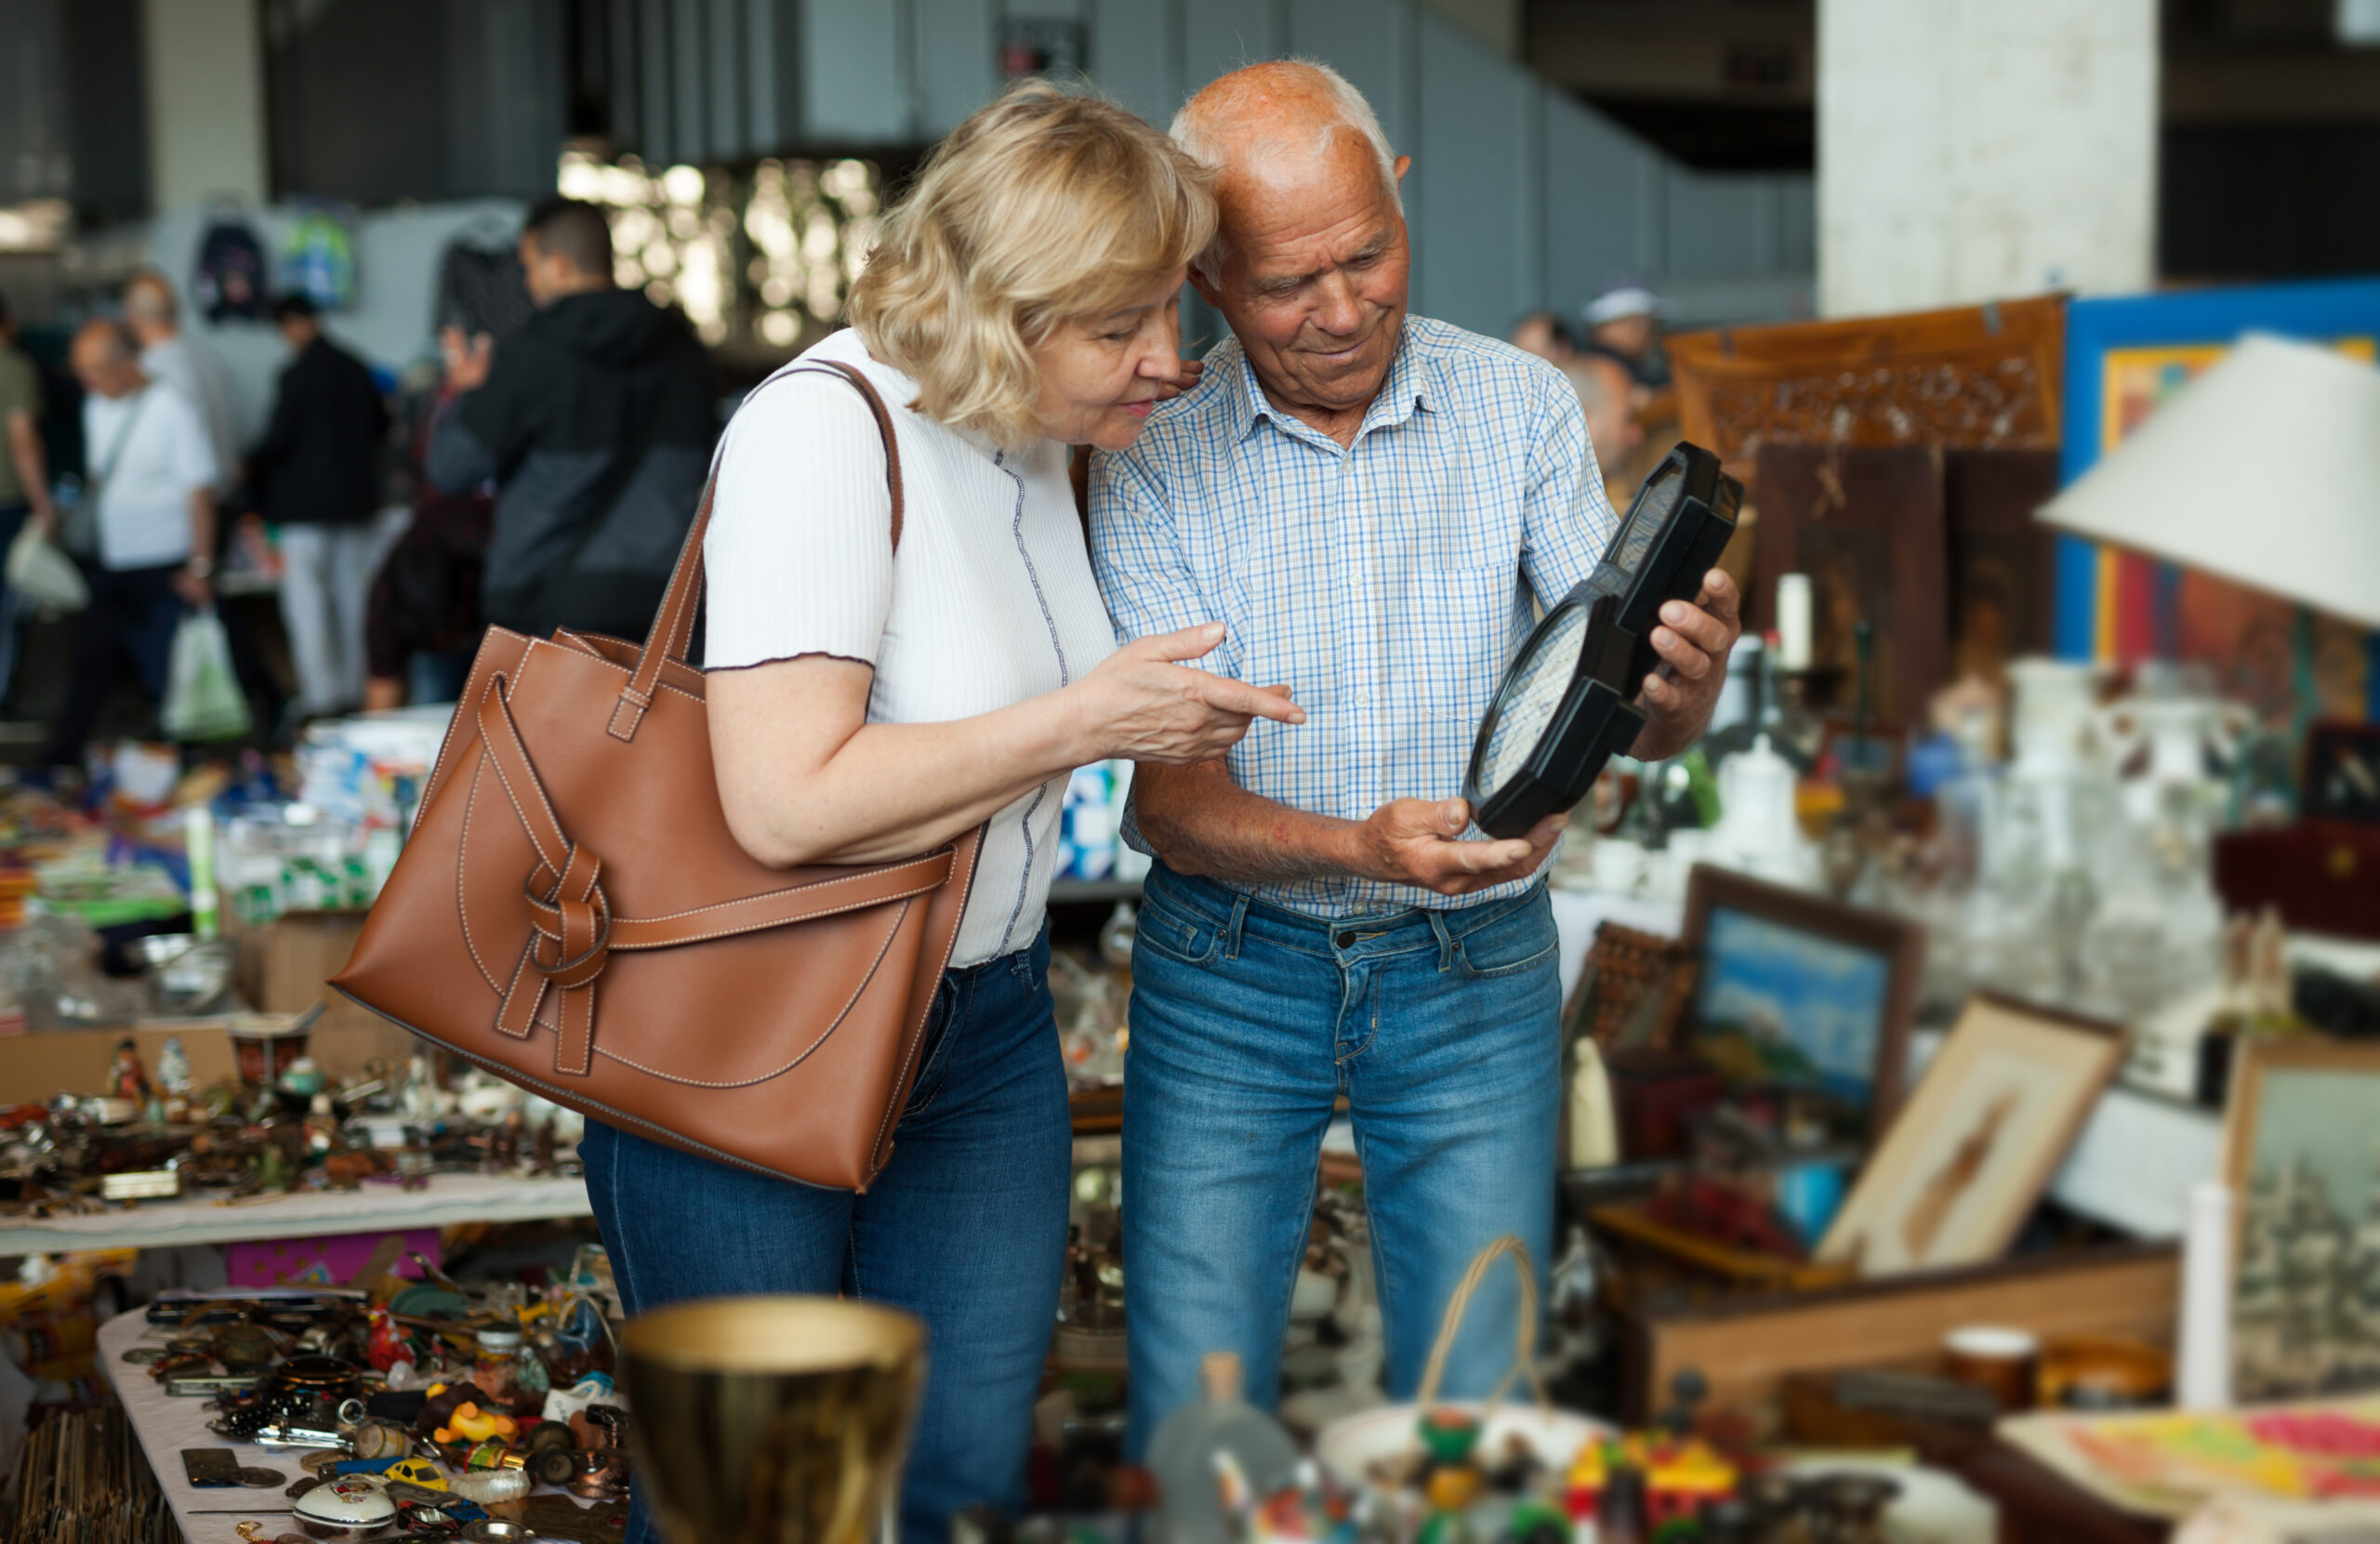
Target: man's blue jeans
(966,1227)
(1441,1028)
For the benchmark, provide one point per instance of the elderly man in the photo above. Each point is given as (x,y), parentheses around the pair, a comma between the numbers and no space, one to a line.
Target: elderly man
(143,531)
(154,316)
(1369,500)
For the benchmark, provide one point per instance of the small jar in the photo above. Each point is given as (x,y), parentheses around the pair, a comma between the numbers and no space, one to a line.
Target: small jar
(495,1367)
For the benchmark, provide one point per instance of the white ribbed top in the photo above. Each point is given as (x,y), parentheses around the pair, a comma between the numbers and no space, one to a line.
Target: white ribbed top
(990,602)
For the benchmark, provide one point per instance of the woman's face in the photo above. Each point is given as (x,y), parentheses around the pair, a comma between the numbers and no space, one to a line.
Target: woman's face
(1100,375)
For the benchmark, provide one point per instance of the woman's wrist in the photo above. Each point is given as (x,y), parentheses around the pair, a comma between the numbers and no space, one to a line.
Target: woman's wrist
(1072,732)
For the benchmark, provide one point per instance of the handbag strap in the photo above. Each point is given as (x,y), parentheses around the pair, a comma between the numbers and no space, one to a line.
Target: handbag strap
(673,628)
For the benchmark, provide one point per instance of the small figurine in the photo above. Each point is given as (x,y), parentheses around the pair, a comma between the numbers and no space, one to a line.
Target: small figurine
(172,1067)
(126,1077)
(303,1079)
(421,1100)
(469,1423)
(273,1168)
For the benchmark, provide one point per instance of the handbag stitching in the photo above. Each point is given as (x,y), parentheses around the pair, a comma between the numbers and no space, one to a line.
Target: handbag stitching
(462,895)
(886,947)
(457,734)
(528,951)
(904,896)
(512,733)
(770,895)
(576,1101)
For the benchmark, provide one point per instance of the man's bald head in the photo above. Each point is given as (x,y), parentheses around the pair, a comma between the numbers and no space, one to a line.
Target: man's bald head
(1311,261)
(1250,122)
(106,359)
(150,308)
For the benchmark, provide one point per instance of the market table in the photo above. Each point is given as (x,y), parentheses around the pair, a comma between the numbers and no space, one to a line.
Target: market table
(448,1200)
(165,1425)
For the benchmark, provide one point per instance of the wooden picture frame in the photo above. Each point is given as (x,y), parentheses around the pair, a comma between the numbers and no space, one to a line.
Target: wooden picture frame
(1975,1147)
(2280,1350)
(1897,943)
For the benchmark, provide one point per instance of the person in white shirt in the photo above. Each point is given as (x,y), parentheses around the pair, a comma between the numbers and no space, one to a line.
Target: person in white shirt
(144,533)
(154,316)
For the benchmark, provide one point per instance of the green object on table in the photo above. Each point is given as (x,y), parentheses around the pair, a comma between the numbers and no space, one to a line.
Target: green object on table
(1449,1435)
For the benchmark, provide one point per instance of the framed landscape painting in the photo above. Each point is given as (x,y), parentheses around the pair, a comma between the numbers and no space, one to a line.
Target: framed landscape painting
(1801,993)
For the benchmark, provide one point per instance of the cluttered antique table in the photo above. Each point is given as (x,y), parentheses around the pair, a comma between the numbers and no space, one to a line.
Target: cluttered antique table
(166,1425)
(448,1200)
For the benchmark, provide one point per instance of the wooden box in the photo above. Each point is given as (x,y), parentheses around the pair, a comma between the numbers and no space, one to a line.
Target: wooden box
(1747,1346)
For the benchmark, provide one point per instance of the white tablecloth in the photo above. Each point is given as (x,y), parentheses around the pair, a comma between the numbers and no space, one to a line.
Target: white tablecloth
(166,1425)
(448,1199)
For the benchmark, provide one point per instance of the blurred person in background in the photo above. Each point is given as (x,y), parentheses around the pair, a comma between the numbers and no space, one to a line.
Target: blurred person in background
(422,622)
(24,472)
(1625,319)
(316,474)
(1607,393)
(154,316)
(595,422)
(1545,334)
(143,531)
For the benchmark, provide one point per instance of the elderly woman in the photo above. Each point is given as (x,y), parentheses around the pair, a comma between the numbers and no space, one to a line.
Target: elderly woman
(866,703)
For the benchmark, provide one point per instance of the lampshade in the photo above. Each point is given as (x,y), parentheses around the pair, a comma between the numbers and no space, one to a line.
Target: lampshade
(2265,469)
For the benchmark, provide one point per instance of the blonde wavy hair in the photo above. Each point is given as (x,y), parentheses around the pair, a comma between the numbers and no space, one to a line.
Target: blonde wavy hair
(1042,208)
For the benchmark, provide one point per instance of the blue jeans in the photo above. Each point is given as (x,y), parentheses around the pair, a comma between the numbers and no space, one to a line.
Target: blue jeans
(1441,1028)
(966,1227)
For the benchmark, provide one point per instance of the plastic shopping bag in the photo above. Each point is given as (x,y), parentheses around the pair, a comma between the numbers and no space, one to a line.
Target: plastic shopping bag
(203,696)
(44,575)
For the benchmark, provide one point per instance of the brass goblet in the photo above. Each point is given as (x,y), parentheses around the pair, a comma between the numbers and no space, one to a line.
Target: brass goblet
(771,1419)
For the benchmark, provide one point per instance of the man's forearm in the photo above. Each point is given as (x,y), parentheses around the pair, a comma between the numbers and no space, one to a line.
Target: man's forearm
(202,525)
(1201,822)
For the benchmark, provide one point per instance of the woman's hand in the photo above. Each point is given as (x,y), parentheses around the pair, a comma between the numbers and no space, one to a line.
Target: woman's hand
(1141,706)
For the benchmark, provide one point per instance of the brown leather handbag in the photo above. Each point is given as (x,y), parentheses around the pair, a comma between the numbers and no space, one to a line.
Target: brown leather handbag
(572,913)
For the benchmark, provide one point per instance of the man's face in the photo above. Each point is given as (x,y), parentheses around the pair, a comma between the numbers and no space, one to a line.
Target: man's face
(102,371)
(1627,334)
(1314,273)
(298,332)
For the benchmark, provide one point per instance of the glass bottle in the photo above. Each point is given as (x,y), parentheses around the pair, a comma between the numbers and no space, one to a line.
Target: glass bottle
(1182,1453)
(496,1365)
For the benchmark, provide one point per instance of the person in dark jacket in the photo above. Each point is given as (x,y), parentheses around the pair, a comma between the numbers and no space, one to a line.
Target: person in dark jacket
(595,422)
(317,476)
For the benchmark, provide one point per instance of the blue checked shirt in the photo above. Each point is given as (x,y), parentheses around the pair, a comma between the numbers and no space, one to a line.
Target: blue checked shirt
(1388,584)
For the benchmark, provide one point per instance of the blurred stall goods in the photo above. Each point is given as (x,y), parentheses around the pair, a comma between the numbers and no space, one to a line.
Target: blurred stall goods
(1090,841)
(280,1124)
(428,1404)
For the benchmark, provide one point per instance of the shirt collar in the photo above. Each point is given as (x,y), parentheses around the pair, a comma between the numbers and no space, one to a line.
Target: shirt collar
(1412,384)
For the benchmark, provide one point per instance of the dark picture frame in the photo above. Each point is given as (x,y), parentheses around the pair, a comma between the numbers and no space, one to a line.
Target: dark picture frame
(1897,942)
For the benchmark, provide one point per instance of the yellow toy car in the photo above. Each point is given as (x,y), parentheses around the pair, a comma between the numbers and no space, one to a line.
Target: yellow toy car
(417,1471)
